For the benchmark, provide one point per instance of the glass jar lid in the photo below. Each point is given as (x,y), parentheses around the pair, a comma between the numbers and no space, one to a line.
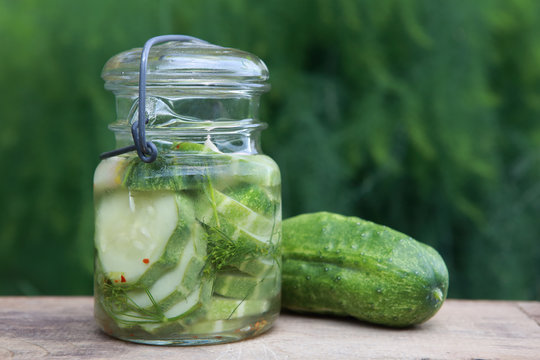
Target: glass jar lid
(192,64)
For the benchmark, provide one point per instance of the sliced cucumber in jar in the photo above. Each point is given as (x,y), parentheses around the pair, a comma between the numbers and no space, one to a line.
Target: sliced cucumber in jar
(256,169)
(161,175)
(153,319)
(222,308)
(255,267)
(218,210)
(188,305)
(238,236)
(109,174)
(179,281)
(257,198)
(241,286)
(139,233)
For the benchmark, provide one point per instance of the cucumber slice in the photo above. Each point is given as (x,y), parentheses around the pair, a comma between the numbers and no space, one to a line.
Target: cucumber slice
(255,267)
(241,286)
(256,169)
(240,219)
(169,173)
(179,281)
(236,233)
(109,174)
(133,230)
(222,308)
(189,304)
(162,174)
(254,197)
(241,215)
(187,309)
(201,163)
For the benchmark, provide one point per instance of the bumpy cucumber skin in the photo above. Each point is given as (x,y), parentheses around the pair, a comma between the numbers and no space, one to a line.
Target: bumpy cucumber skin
(255,198)
(340,265)
(161,174)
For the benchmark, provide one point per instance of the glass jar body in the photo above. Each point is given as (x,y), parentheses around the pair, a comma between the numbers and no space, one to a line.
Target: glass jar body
(188,247)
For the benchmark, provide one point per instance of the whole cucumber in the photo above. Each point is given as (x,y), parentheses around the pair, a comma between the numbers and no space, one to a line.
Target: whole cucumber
(340,265)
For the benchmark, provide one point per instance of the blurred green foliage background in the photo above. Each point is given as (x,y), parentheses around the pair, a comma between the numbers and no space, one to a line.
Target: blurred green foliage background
(423,115)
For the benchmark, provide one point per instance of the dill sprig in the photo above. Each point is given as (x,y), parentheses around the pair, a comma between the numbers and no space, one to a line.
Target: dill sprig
(123,309)
(223,251)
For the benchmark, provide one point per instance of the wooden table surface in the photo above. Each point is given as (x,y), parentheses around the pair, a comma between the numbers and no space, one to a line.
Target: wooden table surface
(63,328)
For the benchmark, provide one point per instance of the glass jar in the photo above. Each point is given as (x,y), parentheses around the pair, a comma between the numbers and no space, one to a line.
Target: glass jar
(188,246)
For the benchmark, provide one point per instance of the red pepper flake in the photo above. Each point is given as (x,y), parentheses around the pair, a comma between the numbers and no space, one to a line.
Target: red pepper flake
(115,281)
(178,146)
(123,279)
(146,261)
(132,334)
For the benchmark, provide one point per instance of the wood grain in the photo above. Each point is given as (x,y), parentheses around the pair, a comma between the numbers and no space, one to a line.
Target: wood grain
(63,328)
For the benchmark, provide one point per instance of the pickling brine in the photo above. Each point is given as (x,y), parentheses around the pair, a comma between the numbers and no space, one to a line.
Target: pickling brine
(187,247)
(187,208)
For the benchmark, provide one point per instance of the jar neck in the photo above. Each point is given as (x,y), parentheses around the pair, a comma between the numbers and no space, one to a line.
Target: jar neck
(170,107)
(228,122)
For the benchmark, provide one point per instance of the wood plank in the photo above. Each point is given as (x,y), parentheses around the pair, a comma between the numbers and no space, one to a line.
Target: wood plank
(532,309)
(63,328)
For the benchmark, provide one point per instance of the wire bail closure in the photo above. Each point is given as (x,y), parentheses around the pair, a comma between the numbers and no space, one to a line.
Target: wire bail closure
(146,150)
